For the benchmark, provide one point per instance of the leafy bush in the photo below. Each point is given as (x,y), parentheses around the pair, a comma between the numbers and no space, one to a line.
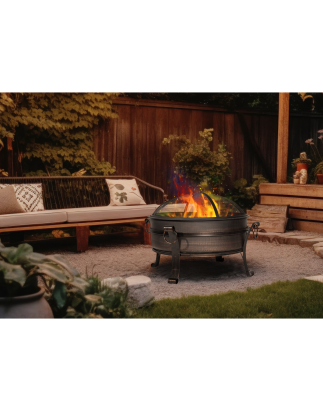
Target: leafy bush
(54,131)
(246,196)
(20,267)
(198,164)
(68,294)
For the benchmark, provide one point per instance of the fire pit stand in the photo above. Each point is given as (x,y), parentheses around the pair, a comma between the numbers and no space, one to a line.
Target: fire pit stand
(172,237)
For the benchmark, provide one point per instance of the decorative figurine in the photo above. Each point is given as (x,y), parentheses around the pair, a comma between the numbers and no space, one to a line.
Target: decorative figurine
(297,177)
(303,177)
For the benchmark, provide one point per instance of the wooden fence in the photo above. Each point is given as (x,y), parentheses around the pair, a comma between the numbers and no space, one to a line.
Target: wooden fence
(133,142)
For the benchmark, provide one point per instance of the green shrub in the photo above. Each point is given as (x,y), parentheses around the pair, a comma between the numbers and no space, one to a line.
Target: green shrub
(246,196)
(68,294)
(197,164)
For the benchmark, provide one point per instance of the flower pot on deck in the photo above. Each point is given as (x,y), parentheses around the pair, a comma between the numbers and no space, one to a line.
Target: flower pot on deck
(301,166)
(32,305)
(319,178)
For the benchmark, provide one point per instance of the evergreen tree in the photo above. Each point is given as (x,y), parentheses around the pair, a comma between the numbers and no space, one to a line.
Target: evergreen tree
(55,130)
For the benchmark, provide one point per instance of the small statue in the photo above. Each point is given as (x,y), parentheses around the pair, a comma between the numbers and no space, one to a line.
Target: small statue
(296,177)
(303,176)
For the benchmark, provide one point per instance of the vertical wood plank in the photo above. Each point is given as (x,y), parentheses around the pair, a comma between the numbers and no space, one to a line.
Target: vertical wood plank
(248,153)
(229,141)
(282,146)
(239,145)
(10,157)
(162,131)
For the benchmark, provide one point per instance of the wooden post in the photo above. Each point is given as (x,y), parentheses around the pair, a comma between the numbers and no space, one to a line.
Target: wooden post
(82,238)
(282,146)
(145,236)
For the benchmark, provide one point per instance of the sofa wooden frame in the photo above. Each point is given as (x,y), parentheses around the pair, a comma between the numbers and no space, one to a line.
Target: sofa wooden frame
(155,196)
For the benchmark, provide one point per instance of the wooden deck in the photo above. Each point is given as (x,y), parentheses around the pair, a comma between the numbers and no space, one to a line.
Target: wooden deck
(305,203)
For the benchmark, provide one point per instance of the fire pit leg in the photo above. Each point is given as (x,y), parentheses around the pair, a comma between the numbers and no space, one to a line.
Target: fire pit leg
(156,264)
(253,227)
(248,272)
(173,240)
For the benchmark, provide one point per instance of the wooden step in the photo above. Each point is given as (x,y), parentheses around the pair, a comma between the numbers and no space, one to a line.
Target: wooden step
(298,202)
(298,213)
(282,210)
(312,226)
(296,190)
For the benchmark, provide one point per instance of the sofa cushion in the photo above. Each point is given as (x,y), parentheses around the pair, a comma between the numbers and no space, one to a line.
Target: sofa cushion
(29,196)
(75,215)
(8,202)
(32,218)
(124,192)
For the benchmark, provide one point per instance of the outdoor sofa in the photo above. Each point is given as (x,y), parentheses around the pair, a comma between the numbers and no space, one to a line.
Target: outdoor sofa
(79,202)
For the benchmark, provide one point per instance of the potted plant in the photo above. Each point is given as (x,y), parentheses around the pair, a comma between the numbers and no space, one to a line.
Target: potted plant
(20,294)
(302,162)
(318,169)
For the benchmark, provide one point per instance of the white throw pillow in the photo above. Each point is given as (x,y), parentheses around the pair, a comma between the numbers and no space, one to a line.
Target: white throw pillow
(124,192)
(29,196)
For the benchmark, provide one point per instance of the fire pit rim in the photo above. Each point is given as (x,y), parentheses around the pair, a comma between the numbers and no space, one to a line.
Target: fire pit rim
(195,219)
(214,205)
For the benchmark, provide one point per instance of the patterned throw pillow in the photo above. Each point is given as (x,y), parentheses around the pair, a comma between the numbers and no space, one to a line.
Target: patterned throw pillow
(29,196)
(124,192)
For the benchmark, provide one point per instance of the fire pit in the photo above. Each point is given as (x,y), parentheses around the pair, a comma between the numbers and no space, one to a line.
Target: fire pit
(199,225)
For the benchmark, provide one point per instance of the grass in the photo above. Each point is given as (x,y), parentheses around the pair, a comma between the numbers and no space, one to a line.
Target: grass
(299,299)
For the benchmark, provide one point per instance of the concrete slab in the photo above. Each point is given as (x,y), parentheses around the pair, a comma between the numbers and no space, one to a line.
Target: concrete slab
(310,242)
(318,278)
(319,251)
(295,240)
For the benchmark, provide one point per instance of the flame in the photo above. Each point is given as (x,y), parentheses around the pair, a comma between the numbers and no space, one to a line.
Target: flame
(188,203)
(191,203)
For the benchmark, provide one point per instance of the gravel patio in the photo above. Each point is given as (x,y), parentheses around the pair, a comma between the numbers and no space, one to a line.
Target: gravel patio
(271,262)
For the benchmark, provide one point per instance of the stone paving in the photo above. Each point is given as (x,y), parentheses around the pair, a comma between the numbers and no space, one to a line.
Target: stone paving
(301,238)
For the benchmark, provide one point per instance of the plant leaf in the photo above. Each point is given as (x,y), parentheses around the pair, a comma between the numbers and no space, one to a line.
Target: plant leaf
(79,282)
(60,295)
(12,272)
(119,187)
(15,255)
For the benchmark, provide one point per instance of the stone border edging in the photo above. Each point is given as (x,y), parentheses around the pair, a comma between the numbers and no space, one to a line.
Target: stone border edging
(313,241)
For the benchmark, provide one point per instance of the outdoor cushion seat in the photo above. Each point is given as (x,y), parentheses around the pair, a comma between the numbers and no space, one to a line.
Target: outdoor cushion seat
(87,214)
(33,218)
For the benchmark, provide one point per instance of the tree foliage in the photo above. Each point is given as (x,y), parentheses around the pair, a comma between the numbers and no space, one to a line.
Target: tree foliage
(55,130)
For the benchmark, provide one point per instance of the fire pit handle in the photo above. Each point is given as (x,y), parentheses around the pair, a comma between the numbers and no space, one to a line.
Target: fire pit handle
(253,227)
(146,222)
(166,230)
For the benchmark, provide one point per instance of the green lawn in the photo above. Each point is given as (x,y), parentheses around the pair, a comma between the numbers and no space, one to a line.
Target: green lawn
(299,299)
